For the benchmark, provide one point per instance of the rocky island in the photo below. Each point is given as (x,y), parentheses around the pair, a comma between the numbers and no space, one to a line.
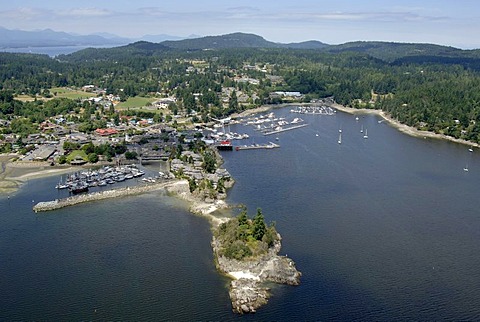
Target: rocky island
(247,250)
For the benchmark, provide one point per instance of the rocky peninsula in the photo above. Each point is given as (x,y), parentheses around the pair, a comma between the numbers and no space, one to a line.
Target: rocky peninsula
(248,290)
(247,251)
(250,274)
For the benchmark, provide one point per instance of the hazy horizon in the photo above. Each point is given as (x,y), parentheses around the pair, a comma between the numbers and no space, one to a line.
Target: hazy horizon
(436,22)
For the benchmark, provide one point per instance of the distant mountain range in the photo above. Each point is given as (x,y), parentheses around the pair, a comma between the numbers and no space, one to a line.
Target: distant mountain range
(49,38)
(387,51)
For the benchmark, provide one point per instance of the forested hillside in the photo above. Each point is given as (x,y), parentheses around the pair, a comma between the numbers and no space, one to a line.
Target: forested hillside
(427,86)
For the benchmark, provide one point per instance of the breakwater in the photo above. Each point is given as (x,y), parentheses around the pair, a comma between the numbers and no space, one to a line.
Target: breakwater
(101,195)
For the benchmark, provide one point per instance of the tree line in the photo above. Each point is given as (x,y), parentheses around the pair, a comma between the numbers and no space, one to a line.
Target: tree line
(439,95)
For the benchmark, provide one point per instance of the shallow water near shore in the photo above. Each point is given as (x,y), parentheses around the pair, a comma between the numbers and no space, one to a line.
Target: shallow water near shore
(384,228)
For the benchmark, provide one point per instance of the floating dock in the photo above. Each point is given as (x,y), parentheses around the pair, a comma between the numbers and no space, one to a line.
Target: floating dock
(285,129)
(270,145)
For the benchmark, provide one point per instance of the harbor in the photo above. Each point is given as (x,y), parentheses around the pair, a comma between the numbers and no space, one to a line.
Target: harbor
(314,110)
(102,195)
(82,181)
(327,208)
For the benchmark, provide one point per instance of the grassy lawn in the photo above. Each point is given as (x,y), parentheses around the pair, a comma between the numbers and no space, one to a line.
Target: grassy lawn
(70,93)
(25,98)
(77,154)
(62,92)
(136,101)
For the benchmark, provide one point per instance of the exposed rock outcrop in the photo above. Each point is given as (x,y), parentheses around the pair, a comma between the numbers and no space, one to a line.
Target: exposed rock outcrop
(248,291)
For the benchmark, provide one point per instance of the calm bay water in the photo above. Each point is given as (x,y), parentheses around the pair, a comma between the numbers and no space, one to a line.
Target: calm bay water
(384,228)
(50,51)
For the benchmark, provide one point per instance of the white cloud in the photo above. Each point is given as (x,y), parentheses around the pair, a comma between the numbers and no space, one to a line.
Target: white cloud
(22,13)
(355,16)
(84,12)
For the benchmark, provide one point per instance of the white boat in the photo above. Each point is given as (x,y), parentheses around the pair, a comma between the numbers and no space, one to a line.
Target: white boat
(470,149)
(366,134)
(465,169)
(361,129)
(296,120)
(61,185)
(356,119)
(340,138)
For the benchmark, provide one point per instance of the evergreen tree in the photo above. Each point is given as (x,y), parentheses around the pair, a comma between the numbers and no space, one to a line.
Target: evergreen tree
(258,224)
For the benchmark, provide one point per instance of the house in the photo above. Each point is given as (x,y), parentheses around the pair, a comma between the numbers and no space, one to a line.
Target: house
(106,132)
(88,88)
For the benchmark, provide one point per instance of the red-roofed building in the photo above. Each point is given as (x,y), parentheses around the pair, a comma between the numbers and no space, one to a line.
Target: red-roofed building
(106,132)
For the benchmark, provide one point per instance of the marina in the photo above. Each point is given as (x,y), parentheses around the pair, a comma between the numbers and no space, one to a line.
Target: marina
(79,182)
(314,110)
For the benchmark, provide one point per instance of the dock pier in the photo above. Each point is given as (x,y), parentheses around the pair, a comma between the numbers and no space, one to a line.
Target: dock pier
(285,129)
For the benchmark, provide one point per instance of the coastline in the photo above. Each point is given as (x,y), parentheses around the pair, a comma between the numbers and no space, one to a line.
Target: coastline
(409,130)
(248,290)
(13,174)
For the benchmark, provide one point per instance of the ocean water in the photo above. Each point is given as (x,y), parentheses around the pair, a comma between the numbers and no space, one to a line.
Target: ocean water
(50,51)
(384,228)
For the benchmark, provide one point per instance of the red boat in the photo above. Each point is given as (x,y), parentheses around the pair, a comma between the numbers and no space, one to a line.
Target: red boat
(225,146)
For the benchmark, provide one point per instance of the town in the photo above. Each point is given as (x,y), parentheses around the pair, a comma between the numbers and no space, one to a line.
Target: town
(89,125)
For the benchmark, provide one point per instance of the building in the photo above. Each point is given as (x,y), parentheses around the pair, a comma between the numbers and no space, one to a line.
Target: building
(106,132)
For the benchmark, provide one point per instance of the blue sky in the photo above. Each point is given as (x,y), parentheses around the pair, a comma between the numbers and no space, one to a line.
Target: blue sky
(454,23)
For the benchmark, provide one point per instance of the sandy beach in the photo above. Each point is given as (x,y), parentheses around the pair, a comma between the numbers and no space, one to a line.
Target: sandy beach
(13,174)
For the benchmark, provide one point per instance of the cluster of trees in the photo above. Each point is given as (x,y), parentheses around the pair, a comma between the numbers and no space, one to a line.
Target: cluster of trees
(437,92)
(36,111)
(242,237)
(91,152)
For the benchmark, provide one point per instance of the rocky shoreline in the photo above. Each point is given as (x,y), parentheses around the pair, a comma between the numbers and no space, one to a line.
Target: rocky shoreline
(248,290)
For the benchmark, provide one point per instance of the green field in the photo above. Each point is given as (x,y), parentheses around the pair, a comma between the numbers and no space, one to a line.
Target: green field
(77,154)
(70,93)
(62,92)
(136,101)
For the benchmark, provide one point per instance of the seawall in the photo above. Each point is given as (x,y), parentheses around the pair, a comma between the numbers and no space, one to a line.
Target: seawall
(101,195)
